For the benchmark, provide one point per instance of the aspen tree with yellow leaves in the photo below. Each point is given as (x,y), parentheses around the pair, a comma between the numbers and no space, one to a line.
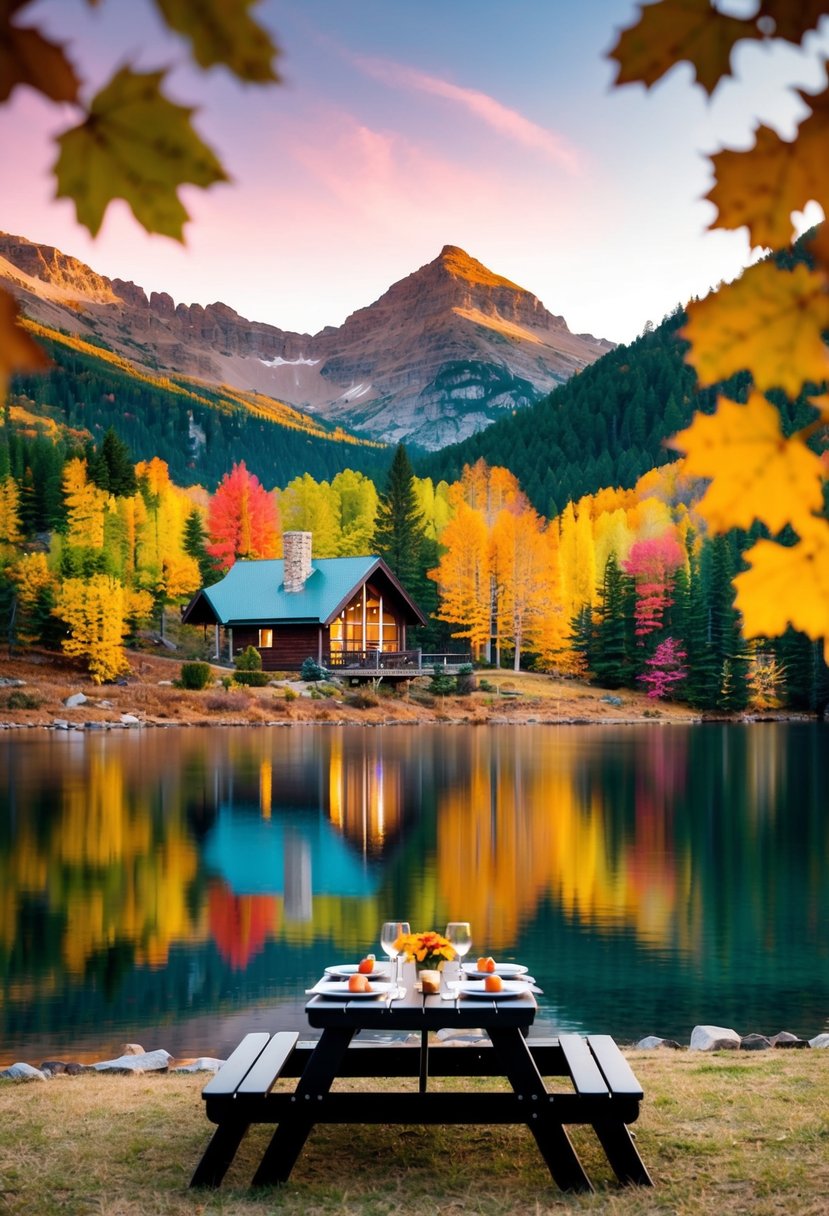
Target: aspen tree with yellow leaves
(94,612)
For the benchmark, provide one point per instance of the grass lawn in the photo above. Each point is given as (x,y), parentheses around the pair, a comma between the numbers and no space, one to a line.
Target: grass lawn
(721,1134)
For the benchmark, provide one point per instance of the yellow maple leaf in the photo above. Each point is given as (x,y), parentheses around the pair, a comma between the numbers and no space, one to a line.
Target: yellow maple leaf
(26,57)
(762,186)
(757,473)
(769,321)
(18,351)
(674,30)
(787,586)
(137,145)
(224,33)
(792,21)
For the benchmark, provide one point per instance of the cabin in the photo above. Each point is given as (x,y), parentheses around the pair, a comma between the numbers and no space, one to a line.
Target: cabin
(344,612)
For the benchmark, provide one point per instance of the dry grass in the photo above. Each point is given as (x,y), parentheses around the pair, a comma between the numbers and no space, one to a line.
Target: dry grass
(722,1136)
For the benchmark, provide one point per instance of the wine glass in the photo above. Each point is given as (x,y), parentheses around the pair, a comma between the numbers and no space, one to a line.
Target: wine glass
(459,935)
(389,934)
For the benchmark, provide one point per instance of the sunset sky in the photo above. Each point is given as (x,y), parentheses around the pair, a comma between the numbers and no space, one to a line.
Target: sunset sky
(405,125)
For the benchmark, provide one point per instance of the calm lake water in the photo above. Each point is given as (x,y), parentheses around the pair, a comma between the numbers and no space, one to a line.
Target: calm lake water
(176,888)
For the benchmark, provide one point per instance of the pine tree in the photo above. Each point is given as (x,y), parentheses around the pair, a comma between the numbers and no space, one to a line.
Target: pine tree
(195,543)
(612,647)
(399,531)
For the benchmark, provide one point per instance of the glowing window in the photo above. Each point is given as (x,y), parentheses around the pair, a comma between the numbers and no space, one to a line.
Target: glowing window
(265,639)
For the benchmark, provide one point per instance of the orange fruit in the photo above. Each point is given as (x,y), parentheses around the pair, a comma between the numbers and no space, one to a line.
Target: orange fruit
(493,983)
(366,965)
(489,964)
(482,963)
(358,983)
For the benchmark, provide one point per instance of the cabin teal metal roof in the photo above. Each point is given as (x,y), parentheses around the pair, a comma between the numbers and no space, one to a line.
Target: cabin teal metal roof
(254,590)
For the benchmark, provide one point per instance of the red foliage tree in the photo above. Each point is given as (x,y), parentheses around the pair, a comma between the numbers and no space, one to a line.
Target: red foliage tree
(652,563)
(242,519)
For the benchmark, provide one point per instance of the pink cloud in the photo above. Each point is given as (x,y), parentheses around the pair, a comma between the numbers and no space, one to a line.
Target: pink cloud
(500,118)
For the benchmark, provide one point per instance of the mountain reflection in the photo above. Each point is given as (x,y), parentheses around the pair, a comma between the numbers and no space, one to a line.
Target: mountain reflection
(126,861)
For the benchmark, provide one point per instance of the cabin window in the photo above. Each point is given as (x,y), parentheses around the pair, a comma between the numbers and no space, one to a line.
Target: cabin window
(358,627)
(265,639)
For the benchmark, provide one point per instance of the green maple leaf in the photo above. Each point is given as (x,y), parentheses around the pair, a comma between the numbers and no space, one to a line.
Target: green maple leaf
(26,57)
(224,33)
(137,145)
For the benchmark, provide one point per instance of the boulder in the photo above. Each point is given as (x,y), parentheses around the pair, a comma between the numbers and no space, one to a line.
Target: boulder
(202,1064)
(75,700)
(23,1072)
(150,1061)
(714,1038)
(652,1041)
(821,1040)
(133,1049)
(130,720)
(786,1039)
(754,1042)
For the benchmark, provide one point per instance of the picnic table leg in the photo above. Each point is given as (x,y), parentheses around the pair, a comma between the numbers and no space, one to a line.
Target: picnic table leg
(219,1154)
(553,1142)
(621,1152)
(289,1138)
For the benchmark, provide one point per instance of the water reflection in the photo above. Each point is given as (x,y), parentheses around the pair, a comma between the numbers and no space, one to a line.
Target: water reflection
(651,877)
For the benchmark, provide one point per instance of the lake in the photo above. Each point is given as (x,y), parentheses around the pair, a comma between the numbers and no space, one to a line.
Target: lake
(178,887)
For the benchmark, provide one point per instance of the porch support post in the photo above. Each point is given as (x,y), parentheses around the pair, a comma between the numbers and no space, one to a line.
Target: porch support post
(364,645)
(319,645)
(230,644)
(380,625)
(218,646)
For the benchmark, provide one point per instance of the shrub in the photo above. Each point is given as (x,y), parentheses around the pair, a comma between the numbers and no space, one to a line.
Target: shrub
(311,670)
(442,685)
(195,675)
(360,700)
(465,681)
(22,700)
(291,694)
(249,660)
(252,679)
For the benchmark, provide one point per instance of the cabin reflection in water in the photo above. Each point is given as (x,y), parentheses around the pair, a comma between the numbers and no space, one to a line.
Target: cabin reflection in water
(304,831)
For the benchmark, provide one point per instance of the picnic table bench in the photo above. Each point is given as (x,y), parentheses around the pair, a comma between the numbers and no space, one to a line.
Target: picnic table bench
(605,1093)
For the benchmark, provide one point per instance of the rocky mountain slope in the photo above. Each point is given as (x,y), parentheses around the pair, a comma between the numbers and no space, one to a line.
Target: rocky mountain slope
(441,355)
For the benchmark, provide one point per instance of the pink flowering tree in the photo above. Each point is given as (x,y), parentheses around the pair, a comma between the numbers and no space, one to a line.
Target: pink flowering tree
(653,563)
(665,669)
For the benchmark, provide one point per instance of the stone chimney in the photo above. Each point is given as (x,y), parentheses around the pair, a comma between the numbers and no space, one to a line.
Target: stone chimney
(297,549)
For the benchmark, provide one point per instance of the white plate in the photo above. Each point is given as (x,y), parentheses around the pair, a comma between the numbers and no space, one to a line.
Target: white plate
(475,988)
(338,989)
(344,970)
(506,971)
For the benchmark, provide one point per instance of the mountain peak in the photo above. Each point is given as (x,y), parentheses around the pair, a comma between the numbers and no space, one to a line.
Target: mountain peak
(458,263)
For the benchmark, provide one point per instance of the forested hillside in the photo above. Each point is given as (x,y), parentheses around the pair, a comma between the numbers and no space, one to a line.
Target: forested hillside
(605,427)
(197,429)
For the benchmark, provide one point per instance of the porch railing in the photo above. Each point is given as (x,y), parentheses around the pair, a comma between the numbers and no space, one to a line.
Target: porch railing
(393,660)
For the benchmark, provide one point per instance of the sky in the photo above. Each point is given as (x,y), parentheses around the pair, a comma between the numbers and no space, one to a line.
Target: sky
(406,125)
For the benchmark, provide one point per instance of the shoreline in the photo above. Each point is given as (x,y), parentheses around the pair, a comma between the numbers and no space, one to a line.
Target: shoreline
(39,690)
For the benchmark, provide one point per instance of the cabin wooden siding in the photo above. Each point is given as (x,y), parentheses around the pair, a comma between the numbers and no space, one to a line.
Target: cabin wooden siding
(292,644)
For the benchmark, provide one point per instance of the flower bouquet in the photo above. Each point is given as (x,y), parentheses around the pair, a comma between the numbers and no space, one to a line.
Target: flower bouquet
(428,951)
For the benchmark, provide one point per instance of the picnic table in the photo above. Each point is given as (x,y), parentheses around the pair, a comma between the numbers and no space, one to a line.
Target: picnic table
(605,1092)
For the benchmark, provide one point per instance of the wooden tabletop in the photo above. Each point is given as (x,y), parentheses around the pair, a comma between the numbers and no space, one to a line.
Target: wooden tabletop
(414,1011)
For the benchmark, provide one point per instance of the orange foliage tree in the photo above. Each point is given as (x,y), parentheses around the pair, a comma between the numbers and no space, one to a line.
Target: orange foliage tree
(463,576)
